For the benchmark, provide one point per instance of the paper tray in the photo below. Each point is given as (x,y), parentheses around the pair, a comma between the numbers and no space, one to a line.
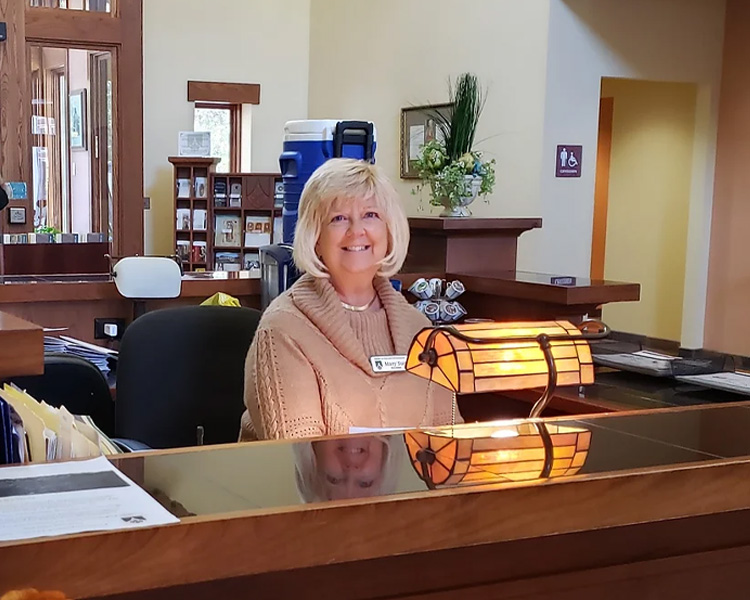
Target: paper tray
(656,365)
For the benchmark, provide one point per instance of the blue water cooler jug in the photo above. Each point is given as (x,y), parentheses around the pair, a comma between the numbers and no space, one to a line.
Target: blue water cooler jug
(307,145)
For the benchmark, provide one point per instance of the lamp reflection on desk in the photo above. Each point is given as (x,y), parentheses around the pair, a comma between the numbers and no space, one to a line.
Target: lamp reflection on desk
(490,356)
(487,453)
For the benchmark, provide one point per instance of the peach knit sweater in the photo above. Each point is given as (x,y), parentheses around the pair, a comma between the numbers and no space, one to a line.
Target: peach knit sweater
(308,371)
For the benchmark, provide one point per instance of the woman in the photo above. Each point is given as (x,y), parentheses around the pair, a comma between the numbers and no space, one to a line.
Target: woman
(311,369)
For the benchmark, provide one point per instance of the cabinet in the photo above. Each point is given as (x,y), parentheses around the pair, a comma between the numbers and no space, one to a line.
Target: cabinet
(245,215)
(191,201)
(222,219)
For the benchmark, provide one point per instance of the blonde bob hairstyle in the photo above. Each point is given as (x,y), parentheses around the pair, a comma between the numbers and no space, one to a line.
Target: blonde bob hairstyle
(311,483)
(346,179)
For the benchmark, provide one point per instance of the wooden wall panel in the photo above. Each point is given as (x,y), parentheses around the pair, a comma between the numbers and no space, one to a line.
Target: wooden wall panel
(129,144)
(15,155)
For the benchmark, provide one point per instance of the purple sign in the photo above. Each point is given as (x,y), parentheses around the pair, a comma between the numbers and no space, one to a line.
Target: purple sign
(569,160)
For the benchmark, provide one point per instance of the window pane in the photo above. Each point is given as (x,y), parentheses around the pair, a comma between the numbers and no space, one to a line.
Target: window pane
(218,121)
(90,5)
(71,133)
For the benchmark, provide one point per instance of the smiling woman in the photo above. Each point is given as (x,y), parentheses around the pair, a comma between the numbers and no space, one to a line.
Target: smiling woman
(313,367)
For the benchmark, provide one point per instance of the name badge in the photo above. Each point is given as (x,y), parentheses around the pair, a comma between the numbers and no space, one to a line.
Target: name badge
(388,364)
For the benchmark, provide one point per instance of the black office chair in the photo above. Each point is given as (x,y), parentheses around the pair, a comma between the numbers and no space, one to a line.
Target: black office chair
(75,383)
(180,375)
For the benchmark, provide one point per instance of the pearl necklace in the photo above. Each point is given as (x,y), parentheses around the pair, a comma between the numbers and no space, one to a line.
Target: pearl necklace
(362,308)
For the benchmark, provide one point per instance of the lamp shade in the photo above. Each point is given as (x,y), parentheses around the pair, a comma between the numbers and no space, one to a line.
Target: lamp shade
(495,454)
(502,356)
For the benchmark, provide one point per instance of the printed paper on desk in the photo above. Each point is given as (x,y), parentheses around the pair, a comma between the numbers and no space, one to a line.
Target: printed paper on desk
(73,497)
(356,430)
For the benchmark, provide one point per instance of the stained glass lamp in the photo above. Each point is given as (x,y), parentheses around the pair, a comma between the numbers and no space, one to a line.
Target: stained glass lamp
(471,455)
(491,356)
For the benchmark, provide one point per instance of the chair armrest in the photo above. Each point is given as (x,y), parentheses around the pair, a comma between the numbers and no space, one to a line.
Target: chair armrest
(131,445)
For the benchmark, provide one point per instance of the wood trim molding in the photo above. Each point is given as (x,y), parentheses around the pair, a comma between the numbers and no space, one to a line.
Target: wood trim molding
(601,192)
(15,115)
(75,26)
(233,93)
(129,218)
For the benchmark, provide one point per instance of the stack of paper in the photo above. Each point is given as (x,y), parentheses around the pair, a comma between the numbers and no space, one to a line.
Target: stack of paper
(41,433)
(73,497)
(95,354)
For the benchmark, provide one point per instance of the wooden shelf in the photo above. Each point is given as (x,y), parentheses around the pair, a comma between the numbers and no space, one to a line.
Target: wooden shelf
(257,199)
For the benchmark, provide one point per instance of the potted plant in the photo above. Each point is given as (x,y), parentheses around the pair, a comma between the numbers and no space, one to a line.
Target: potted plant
(449,165)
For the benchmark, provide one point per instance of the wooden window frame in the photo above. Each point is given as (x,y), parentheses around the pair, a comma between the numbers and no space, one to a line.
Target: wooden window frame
(120,32)
(235,130)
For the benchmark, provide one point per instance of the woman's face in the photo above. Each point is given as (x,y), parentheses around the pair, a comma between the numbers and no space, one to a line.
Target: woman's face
(353,239)
(350,468)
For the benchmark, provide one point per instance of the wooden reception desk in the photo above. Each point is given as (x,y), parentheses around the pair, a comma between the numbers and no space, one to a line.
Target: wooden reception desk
(659,509)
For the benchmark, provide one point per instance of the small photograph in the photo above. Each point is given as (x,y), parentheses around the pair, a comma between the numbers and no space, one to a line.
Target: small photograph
(183,219)
(199,252)
(183,188)
(220,193)
(201,187)
(228,231)
(17,215)
(200,217)
(257,231)
(183,250)
(227,261)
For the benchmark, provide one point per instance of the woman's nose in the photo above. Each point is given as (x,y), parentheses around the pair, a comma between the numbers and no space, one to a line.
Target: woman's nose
(356,227)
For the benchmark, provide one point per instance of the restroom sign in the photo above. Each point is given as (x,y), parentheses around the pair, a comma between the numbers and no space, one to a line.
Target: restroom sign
(569,160)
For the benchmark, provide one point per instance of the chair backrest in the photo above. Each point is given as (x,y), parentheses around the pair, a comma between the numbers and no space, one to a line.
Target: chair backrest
(180,369)
(75,383)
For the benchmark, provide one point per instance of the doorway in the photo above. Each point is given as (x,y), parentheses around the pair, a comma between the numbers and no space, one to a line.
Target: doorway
(642,197)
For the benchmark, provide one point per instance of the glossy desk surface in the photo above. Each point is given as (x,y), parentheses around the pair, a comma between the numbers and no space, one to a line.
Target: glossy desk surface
(264,476)
(679,476)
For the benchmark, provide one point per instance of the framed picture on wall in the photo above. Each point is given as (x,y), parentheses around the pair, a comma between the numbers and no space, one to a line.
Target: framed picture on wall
(77,120)
(418,126)
(17,215)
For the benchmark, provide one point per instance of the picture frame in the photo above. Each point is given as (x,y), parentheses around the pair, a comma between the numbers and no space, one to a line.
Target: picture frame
(418,126)
(17,215)
(77,120)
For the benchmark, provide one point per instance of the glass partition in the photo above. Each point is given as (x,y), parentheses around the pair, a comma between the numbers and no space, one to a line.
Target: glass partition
(72,158)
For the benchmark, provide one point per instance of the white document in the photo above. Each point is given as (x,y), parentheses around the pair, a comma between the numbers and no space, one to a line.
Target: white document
(729,381)
(194,143)
(73,497)
(92,347)
(356,430)
(656,355)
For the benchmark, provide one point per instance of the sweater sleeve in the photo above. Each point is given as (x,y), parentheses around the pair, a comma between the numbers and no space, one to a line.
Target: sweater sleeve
(282,394)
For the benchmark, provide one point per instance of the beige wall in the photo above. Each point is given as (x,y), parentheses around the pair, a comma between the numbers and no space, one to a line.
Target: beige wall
(668,40)
(649,197)
(727,322)
(252,41)
(543,61)
(370,59)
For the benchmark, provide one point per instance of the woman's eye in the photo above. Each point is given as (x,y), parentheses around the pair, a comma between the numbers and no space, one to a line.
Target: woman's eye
(372,215)
(338,219)
(366,484)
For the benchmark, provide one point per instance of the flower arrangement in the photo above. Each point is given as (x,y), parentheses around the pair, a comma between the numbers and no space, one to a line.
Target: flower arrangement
(449,166)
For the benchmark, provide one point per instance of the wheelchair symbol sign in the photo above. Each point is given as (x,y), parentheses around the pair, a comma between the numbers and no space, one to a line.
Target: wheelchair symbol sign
(569,160)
